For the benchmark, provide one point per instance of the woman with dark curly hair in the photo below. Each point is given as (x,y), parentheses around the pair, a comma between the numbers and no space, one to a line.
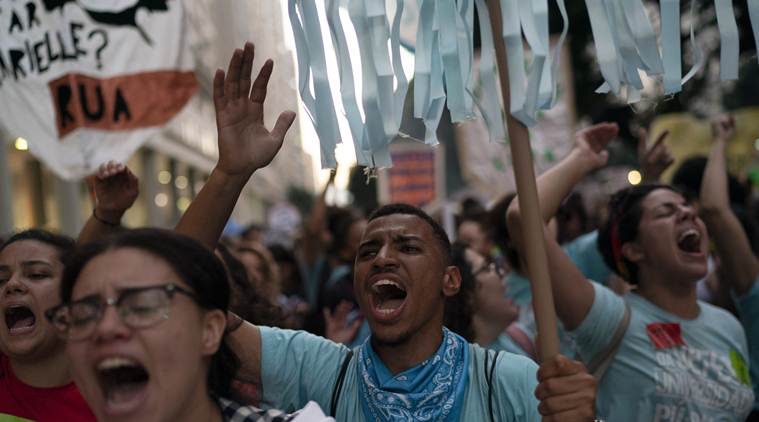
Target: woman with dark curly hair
(658,352)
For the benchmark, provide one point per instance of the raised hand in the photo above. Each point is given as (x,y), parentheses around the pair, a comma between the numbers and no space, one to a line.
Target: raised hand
(723,127)
(336,324)
(245,144)
(591,143)
(116,188)
(656,159)
(567,392)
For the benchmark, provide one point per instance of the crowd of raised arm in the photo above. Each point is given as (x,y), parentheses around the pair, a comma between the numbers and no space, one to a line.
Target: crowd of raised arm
(377,314)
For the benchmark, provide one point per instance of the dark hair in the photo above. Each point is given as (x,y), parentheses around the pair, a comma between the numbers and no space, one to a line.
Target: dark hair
(442,238)
(64,244)
(625,212)
(245,300)
(471,208)
(194,264)
(339,223)
(250,228)
(749,226)
(572,207)
(283,255)
(459,308)
(500,230)
(268,264)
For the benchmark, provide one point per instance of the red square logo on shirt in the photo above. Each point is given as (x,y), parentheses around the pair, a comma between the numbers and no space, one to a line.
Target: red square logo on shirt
(665,335)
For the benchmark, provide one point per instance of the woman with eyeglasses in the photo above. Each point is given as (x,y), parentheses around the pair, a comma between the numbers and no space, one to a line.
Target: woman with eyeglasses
(144,316)
(659,353)
(481,312)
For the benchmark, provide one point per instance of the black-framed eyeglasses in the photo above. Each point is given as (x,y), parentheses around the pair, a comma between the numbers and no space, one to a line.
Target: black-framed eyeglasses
(139,307)
(491,267)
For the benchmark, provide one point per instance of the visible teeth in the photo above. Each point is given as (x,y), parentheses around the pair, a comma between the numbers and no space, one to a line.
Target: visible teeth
(689,232)
(111,363)
(376,286)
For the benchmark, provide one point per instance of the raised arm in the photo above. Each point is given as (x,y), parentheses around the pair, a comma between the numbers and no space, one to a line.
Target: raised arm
(313,239)
(737,259)
(573,293)
(557,182)
(245,145)
(116,188)
(655,159)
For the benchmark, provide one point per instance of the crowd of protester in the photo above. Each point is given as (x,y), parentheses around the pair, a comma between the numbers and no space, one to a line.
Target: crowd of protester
(385,317)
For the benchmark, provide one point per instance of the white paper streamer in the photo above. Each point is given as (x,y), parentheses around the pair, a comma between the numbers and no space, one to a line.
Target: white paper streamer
(753,14)
(372,82)
(698,53)
(449,19)
(728,40)
(347,84)
(489,106)
(625,43)
(320,106)
(670,34)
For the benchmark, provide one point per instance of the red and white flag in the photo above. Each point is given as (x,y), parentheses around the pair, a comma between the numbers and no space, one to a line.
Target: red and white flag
(87,81)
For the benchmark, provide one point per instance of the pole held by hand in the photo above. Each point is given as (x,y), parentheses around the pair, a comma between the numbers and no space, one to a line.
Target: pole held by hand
(532,228)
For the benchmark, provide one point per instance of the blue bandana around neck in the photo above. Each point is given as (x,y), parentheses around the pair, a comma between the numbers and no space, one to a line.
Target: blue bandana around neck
(431,391)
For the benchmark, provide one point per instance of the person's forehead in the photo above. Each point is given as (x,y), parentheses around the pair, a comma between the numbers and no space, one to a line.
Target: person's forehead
(471,227)
(29,249)
(398,225)
(662,196)
(122,268)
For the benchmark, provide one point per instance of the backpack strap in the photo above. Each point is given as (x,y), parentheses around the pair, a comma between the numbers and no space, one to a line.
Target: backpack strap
(598,366)
(339,383)
(489,371)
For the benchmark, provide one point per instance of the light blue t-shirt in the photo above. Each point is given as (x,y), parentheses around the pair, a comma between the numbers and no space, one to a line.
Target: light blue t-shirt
(748,308)
(706,379)
(504,343)
(523,298)
(583,251)
(297,367)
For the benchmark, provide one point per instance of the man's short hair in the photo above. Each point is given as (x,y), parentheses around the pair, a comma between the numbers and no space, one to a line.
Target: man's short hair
(442,238)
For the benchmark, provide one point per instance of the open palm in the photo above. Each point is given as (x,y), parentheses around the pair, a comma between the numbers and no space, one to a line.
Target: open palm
(245,144)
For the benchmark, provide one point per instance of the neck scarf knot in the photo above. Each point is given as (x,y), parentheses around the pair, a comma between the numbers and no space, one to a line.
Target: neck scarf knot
(431,391)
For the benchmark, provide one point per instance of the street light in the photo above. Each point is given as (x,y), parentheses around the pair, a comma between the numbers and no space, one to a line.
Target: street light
(21,144)
(634,177)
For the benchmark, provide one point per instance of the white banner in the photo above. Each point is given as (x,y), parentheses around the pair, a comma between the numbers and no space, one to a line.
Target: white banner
(86,81)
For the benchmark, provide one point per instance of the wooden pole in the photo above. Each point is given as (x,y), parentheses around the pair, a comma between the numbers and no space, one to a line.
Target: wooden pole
(532,224)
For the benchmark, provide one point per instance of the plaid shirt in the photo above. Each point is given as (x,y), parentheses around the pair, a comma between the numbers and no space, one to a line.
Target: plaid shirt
(235,412)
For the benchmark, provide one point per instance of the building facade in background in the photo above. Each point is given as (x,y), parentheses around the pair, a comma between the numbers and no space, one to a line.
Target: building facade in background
(173,165)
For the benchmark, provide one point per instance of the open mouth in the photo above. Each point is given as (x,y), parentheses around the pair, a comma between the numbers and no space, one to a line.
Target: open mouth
(388,297)
(690,241)
(19,319)
(123,382)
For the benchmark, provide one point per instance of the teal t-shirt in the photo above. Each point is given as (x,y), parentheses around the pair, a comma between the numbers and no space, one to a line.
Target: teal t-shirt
(297,367)
(748,308)
(667,368)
